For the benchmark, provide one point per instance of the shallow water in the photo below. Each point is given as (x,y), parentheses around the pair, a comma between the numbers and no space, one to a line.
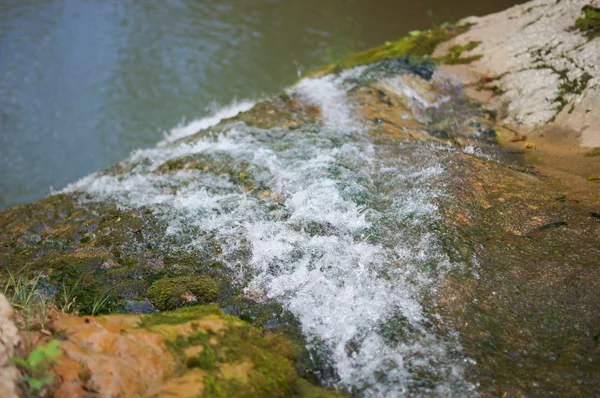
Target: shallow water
(84,83)
(338,227)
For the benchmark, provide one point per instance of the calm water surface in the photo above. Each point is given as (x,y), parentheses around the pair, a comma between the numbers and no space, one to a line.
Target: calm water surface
(83,83)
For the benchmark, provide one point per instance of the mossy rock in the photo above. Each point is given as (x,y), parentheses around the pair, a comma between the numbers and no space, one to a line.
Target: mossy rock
(528,316)
(237,359)
(590,22)
(283,111)
(129,289)
(171,293)
(454,54)
(418,44)
(195,351)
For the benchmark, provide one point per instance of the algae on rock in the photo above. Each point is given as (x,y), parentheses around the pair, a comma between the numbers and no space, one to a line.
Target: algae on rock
(590,22)
(195,351)
(171,293)
(418,45)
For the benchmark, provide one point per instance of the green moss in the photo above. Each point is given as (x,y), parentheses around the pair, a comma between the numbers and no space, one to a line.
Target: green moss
(590,22)
(170,293)
(77,290)
(273,317)
(129,289)
(568,88)
(87,261)
(180,315)
(239,359)
(272,372)
(454,54)
(594,152)
(218,164)
(206,360)
(417,44)
(197,260)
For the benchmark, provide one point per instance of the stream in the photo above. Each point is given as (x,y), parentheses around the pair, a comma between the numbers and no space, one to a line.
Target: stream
(335,224)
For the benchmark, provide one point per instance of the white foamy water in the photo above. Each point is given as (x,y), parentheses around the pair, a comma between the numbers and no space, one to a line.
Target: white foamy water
(187,129)
(330,96)
(340,235)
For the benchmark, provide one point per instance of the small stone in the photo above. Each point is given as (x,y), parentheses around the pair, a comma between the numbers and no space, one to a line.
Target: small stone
(158,264)
(109,264)
(139,306)
(489,133)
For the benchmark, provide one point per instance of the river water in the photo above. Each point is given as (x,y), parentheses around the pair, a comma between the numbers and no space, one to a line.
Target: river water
(83,83)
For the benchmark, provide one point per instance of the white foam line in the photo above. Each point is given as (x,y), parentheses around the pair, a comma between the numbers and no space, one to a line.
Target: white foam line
(185,130)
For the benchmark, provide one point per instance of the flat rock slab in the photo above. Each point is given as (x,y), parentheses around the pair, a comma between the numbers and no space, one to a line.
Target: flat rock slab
(545,69)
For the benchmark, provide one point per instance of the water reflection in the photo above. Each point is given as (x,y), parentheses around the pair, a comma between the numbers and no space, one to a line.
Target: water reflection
(82,83)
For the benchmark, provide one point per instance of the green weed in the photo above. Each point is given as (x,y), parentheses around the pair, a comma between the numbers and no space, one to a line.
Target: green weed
(37,365)
(26,294)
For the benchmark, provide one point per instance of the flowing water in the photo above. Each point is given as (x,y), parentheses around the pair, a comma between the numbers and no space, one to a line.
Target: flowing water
(83,83)
(337,225)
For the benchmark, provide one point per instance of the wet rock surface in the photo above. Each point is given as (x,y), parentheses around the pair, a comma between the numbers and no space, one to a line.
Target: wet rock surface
(526,309)
(139,306)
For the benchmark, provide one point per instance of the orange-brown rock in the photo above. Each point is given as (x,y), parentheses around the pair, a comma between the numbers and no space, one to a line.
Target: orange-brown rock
(191,352)
(110,356)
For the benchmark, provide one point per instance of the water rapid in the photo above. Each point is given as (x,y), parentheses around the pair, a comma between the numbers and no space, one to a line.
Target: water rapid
(333,223)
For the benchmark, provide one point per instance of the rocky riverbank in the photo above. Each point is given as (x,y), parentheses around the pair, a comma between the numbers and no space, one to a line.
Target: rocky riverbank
(537,67)
(417,219)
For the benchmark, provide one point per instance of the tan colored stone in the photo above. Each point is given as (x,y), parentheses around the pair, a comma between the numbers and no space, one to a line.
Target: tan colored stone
(189,385)
(10,344)
(238,371)
(192,351)
(121,361)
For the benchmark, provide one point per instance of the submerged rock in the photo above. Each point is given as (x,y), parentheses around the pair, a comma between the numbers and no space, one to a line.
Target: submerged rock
(525,308)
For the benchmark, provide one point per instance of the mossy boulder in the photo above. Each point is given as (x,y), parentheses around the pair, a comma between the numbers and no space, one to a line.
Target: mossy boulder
(171,293)
(195,351)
